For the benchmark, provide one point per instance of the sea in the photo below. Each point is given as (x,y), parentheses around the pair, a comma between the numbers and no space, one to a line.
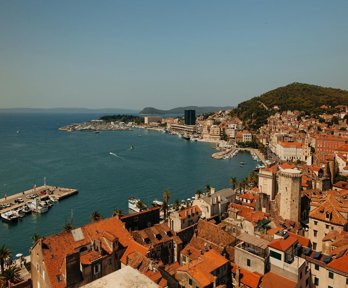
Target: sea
(103,167)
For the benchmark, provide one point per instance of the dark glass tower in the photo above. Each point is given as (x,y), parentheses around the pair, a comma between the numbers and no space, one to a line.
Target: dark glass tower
(190,117)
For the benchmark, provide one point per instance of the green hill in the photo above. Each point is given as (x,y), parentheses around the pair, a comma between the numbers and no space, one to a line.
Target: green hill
(295,96)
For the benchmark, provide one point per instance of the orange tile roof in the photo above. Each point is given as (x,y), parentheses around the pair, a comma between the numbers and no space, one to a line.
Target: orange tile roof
(56,247)
(283,244)
(190,211)
(340,264)
(272,280)
(286,165)
(201,269)
(305,242)
(291,144)
(332,206)
(134,247)
(343,148)
(250,279)
(90,257)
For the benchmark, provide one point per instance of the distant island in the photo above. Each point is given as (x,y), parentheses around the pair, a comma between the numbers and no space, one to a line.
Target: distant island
(180,110)
(118,122)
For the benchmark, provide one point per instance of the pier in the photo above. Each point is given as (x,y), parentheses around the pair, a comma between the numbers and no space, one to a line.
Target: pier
(43,192)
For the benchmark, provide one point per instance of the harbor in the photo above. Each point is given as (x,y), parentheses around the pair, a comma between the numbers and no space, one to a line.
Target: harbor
(35,200)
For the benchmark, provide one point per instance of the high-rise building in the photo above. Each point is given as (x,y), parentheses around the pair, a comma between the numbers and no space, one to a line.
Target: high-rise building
(190,117)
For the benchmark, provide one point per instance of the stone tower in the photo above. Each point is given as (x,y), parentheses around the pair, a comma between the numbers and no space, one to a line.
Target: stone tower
(289,184)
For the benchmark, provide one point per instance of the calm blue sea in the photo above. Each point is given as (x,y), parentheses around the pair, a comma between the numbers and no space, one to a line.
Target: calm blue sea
(82,160)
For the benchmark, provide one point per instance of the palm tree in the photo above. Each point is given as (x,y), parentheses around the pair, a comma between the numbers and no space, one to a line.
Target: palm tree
(117,212)
(233,182)
(12,274)
(177,205)
(96,216)
(199,193)
(166,196)
(68,226)
(5,252)
(207,188)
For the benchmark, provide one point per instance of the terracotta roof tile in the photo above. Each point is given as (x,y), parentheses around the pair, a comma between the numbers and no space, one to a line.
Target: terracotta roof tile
(283,244)
(250,279)
(272,280)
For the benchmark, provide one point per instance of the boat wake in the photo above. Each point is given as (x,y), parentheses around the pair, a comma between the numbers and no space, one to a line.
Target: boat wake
(115,155)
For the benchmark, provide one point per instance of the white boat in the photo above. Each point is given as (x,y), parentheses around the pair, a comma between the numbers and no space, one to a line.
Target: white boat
(36,207)
(133,204)
(157,203)
(9,216)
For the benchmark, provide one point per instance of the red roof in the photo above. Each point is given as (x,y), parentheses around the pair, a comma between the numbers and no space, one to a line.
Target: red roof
(250,279)
(283,244)
(272,280)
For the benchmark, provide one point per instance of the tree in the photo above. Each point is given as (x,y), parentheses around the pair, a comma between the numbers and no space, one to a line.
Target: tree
(5,252)
(96,216)
(166,197)
(117,212)
(207,188)
(68,226)
(176,205)
(199,193)
(35,237)
(233,182)
(12,274)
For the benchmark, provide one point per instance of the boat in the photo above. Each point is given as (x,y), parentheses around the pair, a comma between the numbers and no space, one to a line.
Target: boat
(36,207)
(133,204)
(185,136)
(25,209)
(241,163)
(53,198)
(131,147)
(157,203)
(9,217)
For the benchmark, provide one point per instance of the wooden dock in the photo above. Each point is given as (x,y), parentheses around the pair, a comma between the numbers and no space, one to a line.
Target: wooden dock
(44,192)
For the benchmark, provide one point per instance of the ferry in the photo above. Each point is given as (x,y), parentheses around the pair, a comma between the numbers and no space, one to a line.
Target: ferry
(132,204)
(9,216)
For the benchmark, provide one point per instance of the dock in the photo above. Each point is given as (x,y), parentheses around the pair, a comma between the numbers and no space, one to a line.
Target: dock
(43,192)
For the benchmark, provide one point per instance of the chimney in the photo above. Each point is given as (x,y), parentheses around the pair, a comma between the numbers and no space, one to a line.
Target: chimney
(212,190)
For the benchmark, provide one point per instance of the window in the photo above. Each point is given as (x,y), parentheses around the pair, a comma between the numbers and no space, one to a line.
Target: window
(346,281)
(316,267)
(190,281)
(96,269)
(301,275)
(316,281)
(315,222)
(275,255)
(331,275)
(315,233)
(314,246)
(327,226)
(248,262)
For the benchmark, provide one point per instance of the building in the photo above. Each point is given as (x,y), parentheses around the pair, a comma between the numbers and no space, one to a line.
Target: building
(215,204)
(80,256)
(152,119)
(285,260)
(190,117)
(268,181)
(209,270)
(290,151)
(182,219)
(289,183)
(162,243)
(126,277)
(142,219)
(251,253)
(327,214)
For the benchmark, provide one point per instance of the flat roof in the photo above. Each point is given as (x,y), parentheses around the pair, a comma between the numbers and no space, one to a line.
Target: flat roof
(126,277)
(253,240)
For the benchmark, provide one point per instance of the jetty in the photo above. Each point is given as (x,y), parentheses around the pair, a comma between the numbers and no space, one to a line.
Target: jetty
(45,192)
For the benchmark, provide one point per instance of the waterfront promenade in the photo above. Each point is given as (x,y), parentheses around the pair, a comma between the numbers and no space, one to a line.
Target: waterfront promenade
(43,192)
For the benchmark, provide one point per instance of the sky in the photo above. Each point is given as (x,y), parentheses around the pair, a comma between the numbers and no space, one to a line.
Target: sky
(165,54)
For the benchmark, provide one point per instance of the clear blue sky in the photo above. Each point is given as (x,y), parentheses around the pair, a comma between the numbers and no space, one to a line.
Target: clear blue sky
(131,54)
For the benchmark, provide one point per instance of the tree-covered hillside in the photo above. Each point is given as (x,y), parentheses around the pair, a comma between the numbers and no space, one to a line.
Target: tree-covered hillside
(295,96)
